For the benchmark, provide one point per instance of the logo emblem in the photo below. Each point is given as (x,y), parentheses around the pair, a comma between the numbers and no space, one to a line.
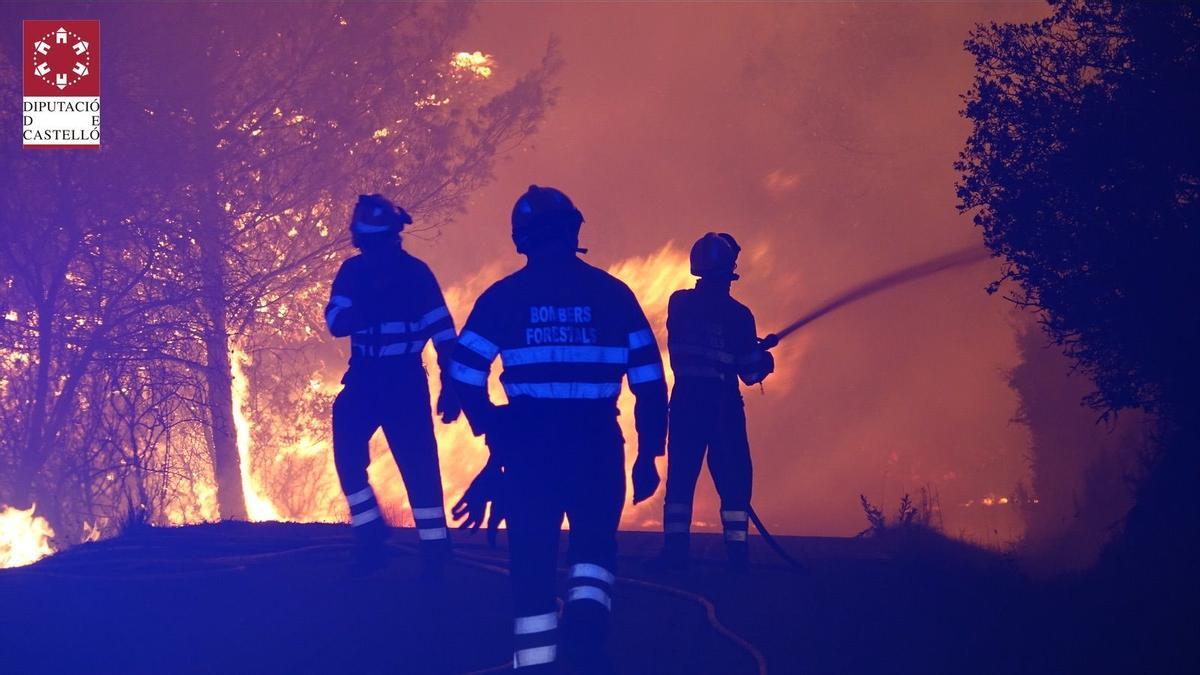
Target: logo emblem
(62,58)
(61,84)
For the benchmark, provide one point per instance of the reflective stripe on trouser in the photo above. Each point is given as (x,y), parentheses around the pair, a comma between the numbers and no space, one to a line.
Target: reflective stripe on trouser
(588,581)
(573,465)
(363,507)
(535,639)
(705,423)
(396,399)
(734,521)
(431,522)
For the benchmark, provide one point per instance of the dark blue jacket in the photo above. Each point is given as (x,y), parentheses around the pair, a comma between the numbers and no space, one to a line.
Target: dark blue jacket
(567,334)
(712,341)
(389,304)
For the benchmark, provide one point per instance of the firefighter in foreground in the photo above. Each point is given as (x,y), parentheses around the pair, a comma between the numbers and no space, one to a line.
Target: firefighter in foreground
(567,333)
(390,305)
(712,342)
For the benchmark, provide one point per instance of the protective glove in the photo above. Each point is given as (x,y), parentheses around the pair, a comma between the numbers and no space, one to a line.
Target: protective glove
(496,434)
(645,478)
(486,490)
(448,405)
(764,367)
(768,363)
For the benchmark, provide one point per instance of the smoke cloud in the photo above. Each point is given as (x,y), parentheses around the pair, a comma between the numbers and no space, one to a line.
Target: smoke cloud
(822,136)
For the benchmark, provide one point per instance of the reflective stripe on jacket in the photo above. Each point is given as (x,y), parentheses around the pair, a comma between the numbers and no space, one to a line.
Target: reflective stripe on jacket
(712,338)
(390,305)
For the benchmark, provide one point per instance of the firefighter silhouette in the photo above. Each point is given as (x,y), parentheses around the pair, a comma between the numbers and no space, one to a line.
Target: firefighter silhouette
(389,304)
(712,342)
(566,333)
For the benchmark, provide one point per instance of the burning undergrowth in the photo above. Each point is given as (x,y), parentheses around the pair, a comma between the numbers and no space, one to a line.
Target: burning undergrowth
(282,393)
(287,455)
(24,537)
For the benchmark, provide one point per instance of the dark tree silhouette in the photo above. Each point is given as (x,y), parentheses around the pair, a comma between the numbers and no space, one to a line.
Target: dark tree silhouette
(1083,171)
(282,127)
(1081,472)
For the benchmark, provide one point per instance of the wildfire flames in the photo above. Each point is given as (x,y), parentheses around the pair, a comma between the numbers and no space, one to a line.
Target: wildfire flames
(258,507)
(270,491)
(267,468)
(24,537)
(653,278)
(477,63)
(993,500)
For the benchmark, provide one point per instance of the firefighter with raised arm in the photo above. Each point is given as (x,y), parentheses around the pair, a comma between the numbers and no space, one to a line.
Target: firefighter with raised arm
(389,304)
(712,343)
(567,334)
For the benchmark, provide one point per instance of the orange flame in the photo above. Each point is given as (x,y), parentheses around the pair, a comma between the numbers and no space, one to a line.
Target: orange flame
(258,506)
(24,537)
(992,500)
(476,63)
(652,278)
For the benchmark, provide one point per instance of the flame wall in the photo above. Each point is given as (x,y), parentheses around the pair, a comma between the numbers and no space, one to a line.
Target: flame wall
(823,137)
(653,277)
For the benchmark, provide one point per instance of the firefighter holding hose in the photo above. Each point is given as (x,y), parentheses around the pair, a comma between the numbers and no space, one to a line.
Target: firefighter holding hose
(712,343)
(567,334)
(389,304)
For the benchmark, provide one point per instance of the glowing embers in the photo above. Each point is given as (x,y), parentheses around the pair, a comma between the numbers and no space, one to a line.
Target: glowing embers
(24,537)
(476,63)
(993,500)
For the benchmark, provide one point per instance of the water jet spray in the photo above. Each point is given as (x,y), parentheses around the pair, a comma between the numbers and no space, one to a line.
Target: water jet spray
(962,257)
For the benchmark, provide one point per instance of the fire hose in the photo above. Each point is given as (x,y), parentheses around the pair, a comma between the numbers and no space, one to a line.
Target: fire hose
(710,610)
(962,257)
(959,258)
(775,545)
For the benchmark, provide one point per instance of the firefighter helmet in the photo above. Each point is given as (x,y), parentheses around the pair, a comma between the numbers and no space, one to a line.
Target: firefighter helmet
(374,214)
(545,214)
(732,244)
(714,255)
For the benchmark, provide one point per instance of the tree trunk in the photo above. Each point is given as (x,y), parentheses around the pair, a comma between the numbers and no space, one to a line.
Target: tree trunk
(227,470)
(33,456)
(218,375)
(21,495)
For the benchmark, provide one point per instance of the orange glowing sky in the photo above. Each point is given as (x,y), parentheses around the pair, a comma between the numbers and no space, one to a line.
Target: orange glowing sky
(823,137)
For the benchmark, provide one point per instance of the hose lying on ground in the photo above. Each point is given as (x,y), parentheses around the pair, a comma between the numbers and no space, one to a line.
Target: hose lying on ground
(710,610)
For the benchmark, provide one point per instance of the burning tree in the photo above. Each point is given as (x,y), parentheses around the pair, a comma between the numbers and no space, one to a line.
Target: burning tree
(356,99)
(210,221)
(88,296)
